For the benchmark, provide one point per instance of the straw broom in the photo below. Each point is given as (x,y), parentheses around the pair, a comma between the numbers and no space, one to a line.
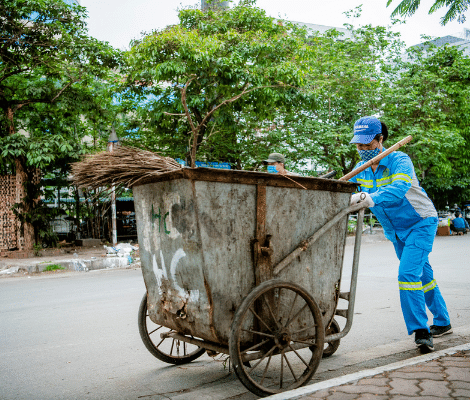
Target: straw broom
(123,167)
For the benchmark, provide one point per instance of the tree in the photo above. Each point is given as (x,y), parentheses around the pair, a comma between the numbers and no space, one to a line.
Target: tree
(240,84)
(217,83)
(456,9)
(307,90)
(346,80)
(430,100)
(46,58)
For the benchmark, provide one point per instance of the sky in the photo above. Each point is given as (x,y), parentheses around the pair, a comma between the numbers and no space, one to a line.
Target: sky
(120,21)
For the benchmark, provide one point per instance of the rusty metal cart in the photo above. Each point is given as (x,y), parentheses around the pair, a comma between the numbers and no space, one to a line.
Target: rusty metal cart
(247,264)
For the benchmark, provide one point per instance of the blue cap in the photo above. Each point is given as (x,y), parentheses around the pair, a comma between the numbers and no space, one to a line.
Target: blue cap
(365,130)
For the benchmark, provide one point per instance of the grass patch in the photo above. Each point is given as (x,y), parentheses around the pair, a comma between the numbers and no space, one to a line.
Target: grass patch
(53,267)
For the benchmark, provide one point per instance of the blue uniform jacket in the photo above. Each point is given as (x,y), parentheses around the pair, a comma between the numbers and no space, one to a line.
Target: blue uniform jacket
(401,204)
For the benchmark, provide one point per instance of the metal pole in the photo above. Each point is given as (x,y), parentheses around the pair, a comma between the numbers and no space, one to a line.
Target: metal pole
(351,297)
(112,142)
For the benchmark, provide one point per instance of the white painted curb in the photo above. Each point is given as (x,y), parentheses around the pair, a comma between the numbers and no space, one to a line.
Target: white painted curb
(306,390)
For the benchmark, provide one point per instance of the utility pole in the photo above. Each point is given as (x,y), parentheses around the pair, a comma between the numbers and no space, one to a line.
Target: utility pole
(113,142)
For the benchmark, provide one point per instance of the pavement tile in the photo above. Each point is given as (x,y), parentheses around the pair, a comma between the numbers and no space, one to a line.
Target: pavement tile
(321,394)
(377,381)
(341,396)
(435,388)
(437,376)
(362,389)
(431,366)
(404,387)
(457,363)
(465,394)
(458,374)
(460,385)
(325,394)
(458,358)
(368,396)
(417,397)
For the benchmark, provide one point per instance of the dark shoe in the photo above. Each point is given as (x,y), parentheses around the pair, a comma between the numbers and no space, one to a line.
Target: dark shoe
(437,331)
(423,340)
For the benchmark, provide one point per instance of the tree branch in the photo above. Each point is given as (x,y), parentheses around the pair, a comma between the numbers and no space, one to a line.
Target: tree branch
(190,120)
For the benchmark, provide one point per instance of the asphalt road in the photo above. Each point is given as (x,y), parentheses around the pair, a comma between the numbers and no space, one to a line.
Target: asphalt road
(75,336)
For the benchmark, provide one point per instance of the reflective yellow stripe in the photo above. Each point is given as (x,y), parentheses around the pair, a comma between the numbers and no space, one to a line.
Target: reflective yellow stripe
(401,177)
(430,286)
(365,182)
(410,285)
(392,178)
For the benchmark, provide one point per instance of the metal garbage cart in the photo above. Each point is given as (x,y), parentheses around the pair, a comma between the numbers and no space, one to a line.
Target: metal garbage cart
(247,264)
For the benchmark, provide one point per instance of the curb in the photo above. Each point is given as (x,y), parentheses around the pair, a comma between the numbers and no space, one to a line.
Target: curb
(309,389)
(73,264)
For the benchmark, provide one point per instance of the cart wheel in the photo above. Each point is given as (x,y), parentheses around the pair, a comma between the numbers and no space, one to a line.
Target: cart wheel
(331,347)
(169,350)
(277,338)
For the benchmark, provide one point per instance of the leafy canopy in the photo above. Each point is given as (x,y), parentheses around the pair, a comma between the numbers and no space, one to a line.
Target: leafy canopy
(456,9)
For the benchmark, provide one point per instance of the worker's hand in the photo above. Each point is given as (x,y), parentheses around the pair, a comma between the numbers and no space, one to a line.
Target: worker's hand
(362,196)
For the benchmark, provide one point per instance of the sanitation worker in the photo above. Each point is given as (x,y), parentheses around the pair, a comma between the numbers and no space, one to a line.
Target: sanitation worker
(409,220)
(275,163)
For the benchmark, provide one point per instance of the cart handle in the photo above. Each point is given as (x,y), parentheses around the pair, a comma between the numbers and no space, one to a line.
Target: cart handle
(304,245)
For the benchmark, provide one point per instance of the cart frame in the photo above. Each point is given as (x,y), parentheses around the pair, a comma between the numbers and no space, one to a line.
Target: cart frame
(267,284)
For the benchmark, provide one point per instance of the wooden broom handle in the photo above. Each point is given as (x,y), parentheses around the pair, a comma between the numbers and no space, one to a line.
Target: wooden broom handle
(376,159)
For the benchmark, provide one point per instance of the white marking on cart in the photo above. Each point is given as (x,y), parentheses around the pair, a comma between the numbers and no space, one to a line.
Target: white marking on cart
(174,263)
(159,273)
(191,295)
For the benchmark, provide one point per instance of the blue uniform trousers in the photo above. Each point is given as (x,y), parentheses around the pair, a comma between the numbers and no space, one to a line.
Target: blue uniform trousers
(418,288)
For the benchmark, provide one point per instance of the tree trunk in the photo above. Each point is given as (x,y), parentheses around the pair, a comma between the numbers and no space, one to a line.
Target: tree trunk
(11,125)
(28,229)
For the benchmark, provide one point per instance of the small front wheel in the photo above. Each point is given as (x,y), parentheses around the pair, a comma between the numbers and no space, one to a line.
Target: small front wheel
(169,350)
(277,338)
(331,347)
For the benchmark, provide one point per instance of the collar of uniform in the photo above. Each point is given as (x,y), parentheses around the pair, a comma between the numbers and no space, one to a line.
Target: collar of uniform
(384,161)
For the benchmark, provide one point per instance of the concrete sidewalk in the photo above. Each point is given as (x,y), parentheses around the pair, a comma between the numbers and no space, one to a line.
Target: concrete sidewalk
(443,374)
(75,259)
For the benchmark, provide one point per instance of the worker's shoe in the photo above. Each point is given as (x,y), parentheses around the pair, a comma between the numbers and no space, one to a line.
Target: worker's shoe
(437,331)
(423,340)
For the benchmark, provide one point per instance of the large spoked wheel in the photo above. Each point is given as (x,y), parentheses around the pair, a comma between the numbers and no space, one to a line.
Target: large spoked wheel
(169,350)
(331,347)
(276,338)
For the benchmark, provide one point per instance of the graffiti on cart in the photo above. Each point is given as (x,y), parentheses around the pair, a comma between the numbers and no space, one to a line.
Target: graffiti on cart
(161,273)
(160,215)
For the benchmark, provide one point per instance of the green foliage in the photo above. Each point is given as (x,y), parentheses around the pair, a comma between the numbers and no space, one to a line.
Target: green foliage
(232,74)
(53,267)
(430,101)
(56,83)
(252,85)
(456,9)
(352,224)
(37,249)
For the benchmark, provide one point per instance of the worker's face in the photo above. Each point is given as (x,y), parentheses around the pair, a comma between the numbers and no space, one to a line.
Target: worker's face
(375,144)
(279,166)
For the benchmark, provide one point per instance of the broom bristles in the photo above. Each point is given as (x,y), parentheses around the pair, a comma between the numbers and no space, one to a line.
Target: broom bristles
(123,167)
